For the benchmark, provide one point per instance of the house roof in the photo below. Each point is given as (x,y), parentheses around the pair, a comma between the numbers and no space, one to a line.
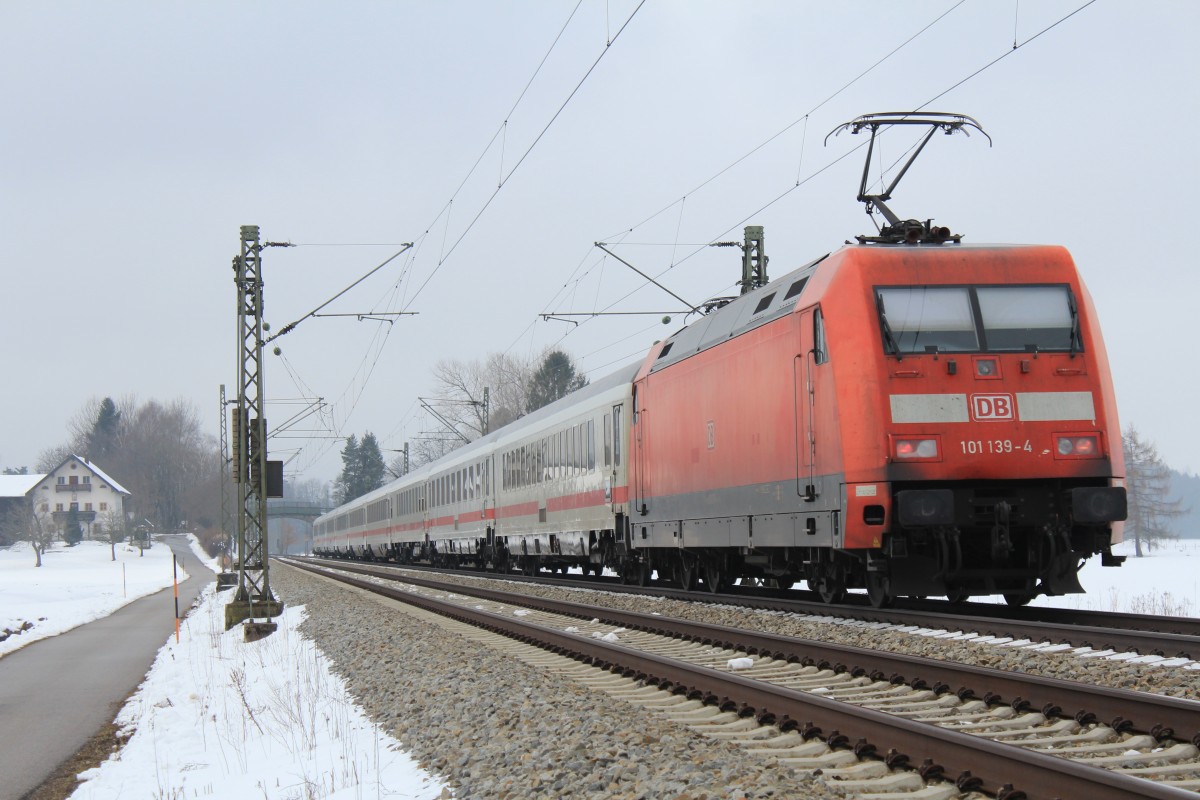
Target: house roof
(18,485)
(95,470)
(102,475)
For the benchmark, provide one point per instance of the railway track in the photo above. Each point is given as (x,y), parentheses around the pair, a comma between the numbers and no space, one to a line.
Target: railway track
(1168,637)
(815,705)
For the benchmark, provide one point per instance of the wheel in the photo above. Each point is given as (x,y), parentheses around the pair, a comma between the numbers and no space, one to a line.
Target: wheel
(714,577)
(685,574)
(1018,599)
(879,589)
(642,576)
(831,589)
(957,596)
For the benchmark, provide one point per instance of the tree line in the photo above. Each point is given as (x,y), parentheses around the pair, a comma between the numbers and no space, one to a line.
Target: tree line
(513,387)
(157,450)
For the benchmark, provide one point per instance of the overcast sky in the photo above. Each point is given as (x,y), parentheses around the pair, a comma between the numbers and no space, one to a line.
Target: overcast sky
(137,137)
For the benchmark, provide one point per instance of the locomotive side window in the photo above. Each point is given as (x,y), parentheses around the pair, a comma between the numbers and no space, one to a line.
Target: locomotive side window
(1024,318)
(820,354)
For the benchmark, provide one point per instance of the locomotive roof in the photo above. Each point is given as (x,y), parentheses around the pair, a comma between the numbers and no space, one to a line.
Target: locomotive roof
(776,299)
(756,307)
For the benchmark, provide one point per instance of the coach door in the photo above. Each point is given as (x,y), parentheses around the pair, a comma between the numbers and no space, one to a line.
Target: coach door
(641,488)
(811,353)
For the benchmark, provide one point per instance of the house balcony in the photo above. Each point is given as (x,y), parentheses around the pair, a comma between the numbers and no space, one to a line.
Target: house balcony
(83,516)
(73,487)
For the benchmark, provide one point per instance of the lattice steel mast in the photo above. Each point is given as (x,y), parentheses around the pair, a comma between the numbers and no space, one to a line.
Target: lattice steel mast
(249,446)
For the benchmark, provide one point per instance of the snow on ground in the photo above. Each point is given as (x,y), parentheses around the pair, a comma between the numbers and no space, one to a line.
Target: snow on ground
(219,717)
(1165,581)
(74,585)
(199,553)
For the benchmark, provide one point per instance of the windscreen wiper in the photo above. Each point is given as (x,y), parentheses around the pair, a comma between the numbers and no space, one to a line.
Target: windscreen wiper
(1076,338)
(890,346)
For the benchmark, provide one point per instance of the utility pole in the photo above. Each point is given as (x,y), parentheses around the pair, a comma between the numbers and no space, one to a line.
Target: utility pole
(487,405)
(225,578)
(250,466)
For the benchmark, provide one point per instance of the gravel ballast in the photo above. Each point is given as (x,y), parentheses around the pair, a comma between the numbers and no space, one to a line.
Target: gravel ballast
(498,728)
(1123,673)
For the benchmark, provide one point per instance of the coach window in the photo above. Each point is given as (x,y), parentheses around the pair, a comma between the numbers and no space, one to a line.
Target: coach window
(607,440)
(591,444)
(820,354)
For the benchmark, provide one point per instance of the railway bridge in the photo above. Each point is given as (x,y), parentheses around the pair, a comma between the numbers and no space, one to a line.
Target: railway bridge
(290,524)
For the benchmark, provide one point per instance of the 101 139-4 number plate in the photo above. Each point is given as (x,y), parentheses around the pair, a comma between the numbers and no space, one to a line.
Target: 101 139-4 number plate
(975,447)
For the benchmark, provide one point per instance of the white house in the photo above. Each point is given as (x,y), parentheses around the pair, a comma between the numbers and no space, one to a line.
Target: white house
(79,485)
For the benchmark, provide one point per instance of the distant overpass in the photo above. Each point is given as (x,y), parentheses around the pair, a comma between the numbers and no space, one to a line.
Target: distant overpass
(287,508)
(290,524)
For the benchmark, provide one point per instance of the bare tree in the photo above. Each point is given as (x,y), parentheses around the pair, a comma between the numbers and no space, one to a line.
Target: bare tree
(460,388)
(42,532)
(1148,481)
(115,528)
(158,452)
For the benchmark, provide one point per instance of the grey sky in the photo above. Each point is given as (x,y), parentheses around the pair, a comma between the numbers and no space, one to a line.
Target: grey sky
(137,137)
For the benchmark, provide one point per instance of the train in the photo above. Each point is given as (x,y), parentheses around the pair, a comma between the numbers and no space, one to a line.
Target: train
(909,415)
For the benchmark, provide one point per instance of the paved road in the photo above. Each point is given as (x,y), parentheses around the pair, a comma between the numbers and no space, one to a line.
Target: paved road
(56,693)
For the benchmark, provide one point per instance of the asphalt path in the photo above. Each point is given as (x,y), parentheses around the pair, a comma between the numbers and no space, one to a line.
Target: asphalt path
(56,693)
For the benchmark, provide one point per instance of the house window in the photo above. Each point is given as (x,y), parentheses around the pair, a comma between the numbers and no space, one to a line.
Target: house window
(104,506)
(58,507)
(87,506)
(61,480)
(44,507)
(74,506)
(87,478)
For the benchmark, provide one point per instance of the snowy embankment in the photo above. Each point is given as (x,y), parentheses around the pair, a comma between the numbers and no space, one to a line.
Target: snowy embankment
(1166,582)
(219,717)
(74,585)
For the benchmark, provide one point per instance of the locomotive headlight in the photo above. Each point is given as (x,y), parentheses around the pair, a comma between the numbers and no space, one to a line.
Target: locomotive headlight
(916,448)
(986,368)
(1070,446)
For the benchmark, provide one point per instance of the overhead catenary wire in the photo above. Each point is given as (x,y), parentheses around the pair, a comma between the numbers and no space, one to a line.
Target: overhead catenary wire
(504,180)
(788,191)
(500,132)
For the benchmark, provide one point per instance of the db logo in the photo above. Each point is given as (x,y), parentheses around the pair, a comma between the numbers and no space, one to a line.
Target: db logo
(986,407)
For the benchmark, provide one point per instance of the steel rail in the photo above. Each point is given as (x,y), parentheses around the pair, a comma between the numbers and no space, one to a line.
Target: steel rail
(1124,710)
(1141,633)
(973,763)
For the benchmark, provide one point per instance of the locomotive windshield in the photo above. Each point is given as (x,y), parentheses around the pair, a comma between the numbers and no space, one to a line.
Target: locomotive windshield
(971,319)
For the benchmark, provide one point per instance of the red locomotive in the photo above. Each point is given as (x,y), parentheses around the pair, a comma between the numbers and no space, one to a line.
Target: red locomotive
(909,415)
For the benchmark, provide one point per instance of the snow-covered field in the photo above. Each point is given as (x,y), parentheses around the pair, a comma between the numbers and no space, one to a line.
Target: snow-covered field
(1164,582)
(217,717)
(74,585)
